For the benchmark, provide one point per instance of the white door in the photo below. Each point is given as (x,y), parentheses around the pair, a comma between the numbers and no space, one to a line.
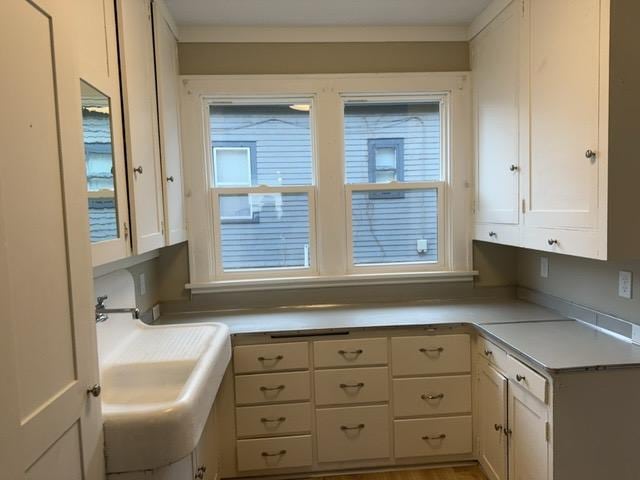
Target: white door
(528,446)
(495,64)
(564,70)
(49,427)
(492,407)
(141,123)
(166,50)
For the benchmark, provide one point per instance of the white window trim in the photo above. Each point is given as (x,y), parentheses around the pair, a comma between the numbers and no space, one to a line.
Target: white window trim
(217,182)
(330,246)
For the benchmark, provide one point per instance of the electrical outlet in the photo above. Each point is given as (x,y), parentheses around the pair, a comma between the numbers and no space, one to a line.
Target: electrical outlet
(635,334)
(142,284)
(625,284)
(155,312)
(544,267)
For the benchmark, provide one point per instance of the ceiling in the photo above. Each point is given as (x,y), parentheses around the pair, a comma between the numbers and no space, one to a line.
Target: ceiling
(301,13)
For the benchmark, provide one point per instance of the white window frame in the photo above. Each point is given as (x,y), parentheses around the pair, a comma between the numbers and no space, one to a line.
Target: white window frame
(217,183)
(330,248)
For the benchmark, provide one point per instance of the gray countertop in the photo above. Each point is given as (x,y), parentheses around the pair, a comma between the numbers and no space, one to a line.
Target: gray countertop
(539,334)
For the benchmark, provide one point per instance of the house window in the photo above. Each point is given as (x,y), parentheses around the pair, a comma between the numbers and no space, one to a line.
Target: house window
(261,186)
(386,164)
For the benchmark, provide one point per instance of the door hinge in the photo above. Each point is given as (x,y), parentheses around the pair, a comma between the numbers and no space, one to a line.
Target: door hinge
(522,5)
(523,205)
(547,431)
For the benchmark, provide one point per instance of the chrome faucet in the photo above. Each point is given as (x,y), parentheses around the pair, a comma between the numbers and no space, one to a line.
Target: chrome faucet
(102,310)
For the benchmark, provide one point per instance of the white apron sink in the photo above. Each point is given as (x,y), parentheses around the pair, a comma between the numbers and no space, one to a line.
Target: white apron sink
(158,387)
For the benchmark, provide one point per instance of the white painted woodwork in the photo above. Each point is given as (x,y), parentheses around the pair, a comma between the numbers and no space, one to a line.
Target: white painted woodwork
(527,378)
(356,352)
(430,355)
(50,427)
(284,452)
(411,396)
(495,55)
(491,352)
(270,357)
(351,385)
(272,420)
(141,123)
(410,436)
(528,446)
(168,83)
(207,454)
(352,433)
(563,96)
(272,388)
(492,422)
(98,65)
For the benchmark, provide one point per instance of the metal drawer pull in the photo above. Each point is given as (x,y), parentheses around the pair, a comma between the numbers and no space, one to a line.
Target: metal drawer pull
(507,431)
(497,427)
(138,169)
(276,454)
(355,427)
(493,234)
(442,436)
(487,353)
(351,352)
(273,420)
(514,168)
(432,350)
(268,389)
(520,378)
(439,396)
(590,154)
(170,179)
(552,241)
(352,385)
(270,359)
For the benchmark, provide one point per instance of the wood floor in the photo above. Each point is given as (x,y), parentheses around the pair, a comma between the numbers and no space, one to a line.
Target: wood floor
(454,473)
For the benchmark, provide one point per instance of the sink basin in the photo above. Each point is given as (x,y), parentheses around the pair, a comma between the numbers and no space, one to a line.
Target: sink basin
(158,388)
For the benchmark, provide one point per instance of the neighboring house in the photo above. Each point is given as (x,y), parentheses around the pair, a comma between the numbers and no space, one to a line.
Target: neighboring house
(273,145)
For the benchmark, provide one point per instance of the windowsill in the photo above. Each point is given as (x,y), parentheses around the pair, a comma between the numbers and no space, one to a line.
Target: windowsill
(325,281)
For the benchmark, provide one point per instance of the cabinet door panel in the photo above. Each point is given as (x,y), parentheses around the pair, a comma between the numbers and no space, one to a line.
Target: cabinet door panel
(492,403)
(564,59)
(495,64)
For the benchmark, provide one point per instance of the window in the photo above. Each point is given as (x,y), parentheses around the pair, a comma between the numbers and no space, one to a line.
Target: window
(262,186)
(308,180)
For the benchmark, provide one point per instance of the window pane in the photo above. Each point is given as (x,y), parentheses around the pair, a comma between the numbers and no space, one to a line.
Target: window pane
(276,236)
(395,228)
(414,126)
(385,157)
(278,135)
(385,176)
(235,207)
(232,166)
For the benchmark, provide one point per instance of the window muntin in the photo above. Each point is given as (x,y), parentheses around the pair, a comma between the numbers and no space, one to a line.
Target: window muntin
(262,187)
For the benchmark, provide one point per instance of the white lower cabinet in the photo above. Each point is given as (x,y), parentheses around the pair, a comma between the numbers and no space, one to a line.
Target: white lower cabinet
(274,453)
(492,423)
(428,437)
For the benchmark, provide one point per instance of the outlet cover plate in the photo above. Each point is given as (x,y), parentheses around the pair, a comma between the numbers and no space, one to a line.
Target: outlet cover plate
(625,284)
(544,267)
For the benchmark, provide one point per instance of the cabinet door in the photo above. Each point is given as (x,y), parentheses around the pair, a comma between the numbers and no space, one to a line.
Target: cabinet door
(166,51)
(206,455)
(492,407)
(495,64)
(141,123)
(528,447)
(50,426)
(564,71)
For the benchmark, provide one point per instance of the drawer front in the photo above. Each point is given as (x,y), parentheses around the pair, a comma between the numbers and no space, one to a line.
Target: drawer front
(414,397)
(274,453)
(271,357)
(433,437)
(428,355)
(273,420)
(497,233)
(527,378)
(353,433)
(493,353)
(345,353)
(272,388)
(352,385)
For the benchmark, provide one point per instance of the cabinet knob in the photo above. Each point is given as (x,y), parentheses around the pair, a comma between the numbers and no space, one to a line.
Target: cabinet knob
(590,154)
(507,431)
(170,179)
(94,390)
(497,427)
(493,235)
(520,378)
(552,242)
(488,353)
(514,168)
(138,169)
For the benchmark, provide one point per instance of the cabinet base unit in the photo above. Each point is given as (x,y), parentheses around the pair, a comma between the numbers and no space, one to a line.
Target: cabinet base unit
(432,437)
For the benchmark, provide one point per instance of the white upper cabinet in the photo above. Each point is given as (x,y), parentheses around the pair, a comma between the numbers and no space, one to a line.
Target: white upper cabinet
(495,64)
(137,69)
(166,51)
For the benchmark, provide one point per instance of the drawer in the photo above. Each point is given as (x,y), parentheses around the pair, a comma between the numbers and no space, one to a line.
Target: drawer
(352,433)
(270,357)
(414,397)
(527,378)
(429,355)
(497,233)
(272,388)
(433,437)
(274,453)
(355,352)
(352,385)
(493,353)
(273,420)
